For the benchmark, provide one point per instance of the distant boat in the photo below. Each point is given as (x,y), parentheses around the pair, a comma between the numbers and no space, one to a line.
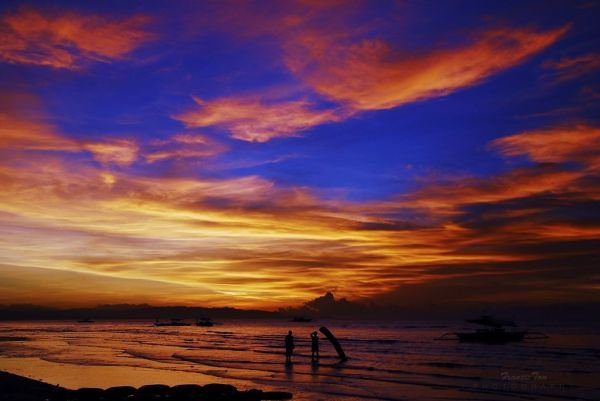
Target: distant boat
(173,322)
(302,319)
(495,332)
(205,322)
(85,320)
(488,320)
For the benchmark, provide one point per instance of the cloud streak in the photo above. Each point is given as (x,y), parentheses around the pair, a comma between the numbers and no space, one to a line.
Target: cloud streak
(369,74)
(254,120)
(575,143)
(68,40)
(569,68)
(184,146)
(34,134)
(20,134)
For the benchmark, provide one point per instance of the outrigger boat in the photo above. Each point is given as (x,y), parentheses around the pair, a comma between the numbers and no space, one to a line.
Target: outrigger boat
(173,322)
(495,332)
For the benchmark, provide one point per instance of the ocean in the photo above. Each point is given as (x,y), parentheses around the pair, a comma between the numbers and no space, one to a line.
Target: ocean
(387,360)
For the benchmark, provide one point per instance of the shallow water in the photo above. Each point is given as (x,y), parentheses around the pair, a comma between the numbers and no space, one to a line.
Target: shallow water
(387,361)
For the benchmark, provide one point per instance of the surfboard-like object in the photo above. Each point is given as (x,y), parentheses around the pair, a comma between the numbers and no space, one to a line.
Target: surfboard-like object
(334,342)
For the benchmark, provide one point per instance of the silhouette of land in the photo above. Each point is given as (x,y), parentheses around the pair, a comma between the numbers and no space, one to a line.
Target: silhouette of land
(126,311)
(324,307)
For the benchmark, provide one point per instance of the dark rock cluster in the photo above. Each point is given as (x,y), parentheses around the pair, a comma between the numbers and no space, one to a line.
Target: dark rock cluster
(19,388)
(161,392)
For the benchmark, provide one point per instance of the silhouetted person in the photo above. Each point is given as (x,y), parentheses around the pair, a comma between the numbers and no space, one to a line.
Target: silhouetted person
(314,354)
(289,347)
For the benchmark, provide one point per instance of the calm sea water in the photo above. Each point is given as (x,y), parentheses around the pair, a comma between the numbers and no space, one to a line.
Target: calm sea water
(388,361)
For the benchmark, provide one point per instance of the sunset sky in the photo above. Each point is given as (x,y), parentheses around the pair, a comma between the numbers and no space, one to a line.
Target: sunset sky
(259,154)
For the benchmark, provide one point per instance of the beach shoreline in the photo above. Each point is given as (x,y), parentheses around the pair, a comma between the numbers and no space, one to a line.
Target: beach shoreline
(19,388)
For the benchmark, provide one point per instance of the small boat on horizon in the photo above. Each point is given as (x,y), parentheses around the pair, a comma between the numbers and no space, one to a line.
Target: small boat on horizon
(494,332)
(85,320)
(172,322)
(205,322)
(302,319)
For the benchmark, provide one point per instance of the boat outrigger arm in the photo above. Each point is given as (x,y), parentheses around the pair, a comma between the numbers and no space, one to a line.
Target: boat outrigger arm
(334,341)
(487,320)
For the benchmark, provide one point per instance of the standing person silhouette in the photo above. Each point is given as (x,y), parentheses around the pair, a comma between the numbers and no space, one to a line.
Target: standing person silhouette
(314,355)
(289,347)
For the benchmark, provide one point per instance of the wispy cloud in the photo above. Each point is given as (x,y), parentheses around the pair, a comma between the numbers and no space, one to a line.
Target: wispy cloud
(117,151)
(241,164)
(28,131)
(569,68)
(254,120)
(569,143)
(68,40)
(183,146)
(20,134)
(371,74)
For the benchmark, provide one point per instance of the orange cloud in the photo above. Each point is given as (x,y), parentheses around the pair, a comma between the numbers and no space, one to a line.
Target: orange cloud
(186,146)
(19,133)
(519,183)
(253,120)
(577,143)
(568,68)
(191,139)
(369,74)
(68,40)
(16,132)
(117,151)
(179,154)
(550,148)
